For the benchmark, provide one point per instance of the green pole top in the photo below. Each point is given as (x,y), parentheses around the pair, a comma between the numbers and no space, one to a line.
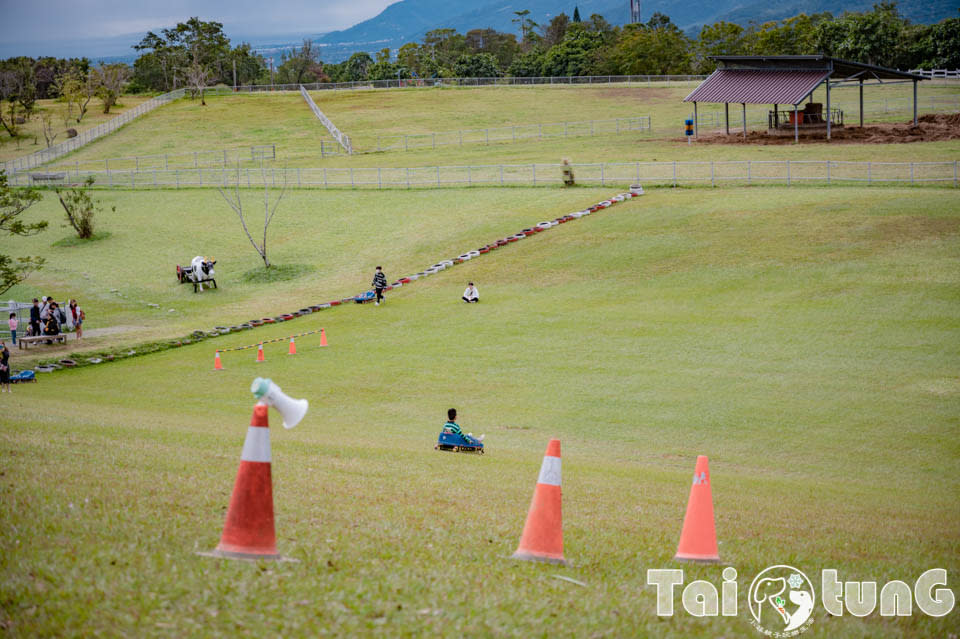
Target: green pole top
(260,387)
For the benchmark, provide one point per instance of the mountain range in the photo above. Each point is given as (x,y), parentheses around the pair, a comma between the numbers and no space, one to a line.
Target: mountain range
(408,20)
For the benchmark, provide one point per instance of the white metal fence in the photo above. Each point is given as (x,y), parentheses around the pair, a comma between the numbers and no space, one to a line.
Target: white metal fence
(734,173)
(167,161)
(340,137)
(59,150)
(937,73)
(511,133)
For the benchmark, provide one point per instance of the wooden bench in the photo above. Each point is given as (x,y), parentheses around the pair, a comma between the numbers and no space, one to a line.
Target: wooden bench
(26,340)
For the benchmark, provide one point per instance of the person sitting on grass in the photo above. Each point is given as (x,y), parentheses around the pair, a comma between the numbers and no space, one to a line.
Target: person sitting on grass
(471,294)
(452,427)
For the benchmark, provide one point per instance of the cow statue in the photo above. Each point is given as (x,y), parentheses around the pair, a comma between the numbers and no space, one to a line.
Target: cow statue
(202,271)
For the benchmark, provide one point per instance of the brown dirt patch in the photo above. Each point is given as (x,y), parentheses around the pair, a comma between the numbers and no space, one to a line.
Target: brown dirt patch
(932,127)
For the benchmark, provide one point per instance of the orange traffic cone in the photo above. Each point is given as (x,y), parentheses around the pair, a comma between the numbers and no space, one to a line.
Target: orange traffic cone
(323,337)
(698,540)
(293,347)
(217,366)
(248,532)
(260,352)
(542,538)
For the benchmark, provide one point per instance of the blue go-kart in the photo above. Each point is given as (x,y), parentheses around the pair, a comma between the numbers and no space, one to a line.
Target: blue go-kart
(457,443)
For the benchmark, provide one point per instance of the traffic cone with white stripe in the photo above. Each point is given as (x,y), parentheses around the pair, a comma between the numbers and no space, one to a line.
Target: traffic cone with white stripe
(542,538)
(260,352)
(217,365)
(293,347)
(248,532)
(698,539)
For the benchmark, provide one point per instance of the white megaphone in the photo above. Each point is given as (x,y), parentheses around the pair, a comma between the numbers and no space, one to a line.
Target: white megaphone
(269,393)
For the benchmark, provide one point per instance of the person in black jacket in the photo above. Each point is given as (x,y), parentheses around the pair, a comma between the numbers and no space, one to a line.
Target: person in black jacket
(35,317)
(379,283)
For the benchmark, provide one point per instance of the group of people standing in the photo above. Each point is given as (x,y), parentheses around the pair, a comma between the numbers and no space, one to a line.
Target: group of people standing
(47,318)
(471,295)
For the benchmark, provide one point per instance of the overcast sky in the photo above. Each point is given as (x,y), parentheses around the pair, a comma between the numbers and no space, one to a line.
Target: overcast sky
(98,27)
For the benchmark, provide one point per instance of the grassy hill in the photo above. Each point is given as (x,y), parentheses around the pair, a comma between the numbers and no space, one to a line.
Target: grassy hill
(236,121)
(805,340)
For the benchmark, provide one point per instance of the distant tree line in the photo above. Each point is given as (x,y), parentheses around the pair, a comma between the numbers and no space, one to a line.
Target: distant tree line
(574,47)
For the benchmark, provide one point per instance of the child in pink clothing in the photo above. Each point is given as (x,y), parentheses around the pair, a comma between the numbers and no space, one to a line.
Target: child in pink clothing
(12,323)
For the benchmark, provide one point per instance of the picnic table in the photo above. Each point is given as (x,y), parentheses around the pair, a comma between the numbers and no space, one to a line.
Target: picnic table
(27,340)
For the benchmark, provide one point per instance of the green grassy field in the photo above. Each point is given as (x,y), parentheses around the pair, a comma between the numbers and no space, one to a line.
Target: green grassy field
(285,120)
(31,132)
(805,339)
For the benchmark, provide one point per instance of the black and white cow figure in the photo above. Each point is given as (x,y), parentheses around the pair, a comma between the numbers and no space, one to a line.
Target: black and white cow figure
(201,270)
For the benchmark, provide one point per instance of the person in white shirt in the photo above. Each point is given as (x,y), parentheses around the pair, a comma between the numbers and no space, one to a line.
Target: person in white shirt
(471,294)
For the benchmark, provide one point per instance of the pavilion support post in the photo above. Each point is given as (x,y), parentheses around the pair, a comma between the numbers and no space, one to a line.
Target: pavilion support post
(914,103)
(744,119)
(696,123)
(828,110)
(776,118)
(726,116)
(796,126)
(861,103)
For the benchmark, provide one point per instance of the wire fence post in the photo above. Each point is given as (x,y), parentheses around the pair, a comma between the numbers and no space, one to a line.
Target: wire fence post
(638,173)
(602,180)
(438,176)
(870,172)
(712,181)
(379,178)
(828,171)
(177,176)
(788,172)
(954,174)
(408,177)
(298,177)
(534,174)
(351,177)
(674,174)
(434,140)
(749,177)
(911,173)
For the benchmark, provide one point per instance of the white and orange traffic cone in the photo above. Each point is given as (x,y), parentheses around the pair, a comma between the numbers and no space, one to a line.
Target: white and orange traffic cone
(260,357)
(248,532)
(323,337)
(698,539)
(542,538)
(217,365)
(293,347)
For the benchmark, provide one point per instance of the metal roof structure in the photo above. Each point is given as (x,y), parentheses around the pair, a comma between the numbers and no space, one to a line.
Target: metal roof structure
(788,80)
(757,87)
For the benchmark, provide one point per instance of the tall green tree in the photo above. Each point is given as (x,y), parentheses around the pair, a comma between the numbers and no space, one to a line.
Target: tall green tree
(13,203)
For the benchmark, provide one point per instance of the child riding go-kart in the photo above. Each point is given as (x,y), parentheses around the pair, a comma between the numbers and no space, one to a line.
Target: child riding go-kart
(453,439)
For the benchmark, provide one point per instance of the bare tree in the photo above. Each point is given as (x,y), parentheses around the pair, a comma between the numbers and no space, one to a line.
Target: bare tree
(109,80)
(197,77)
(268,211)
(46,120)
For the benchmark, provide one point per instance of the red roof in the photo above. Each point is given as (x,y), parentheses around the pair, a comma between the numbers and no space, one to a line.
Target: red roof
(757,87)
